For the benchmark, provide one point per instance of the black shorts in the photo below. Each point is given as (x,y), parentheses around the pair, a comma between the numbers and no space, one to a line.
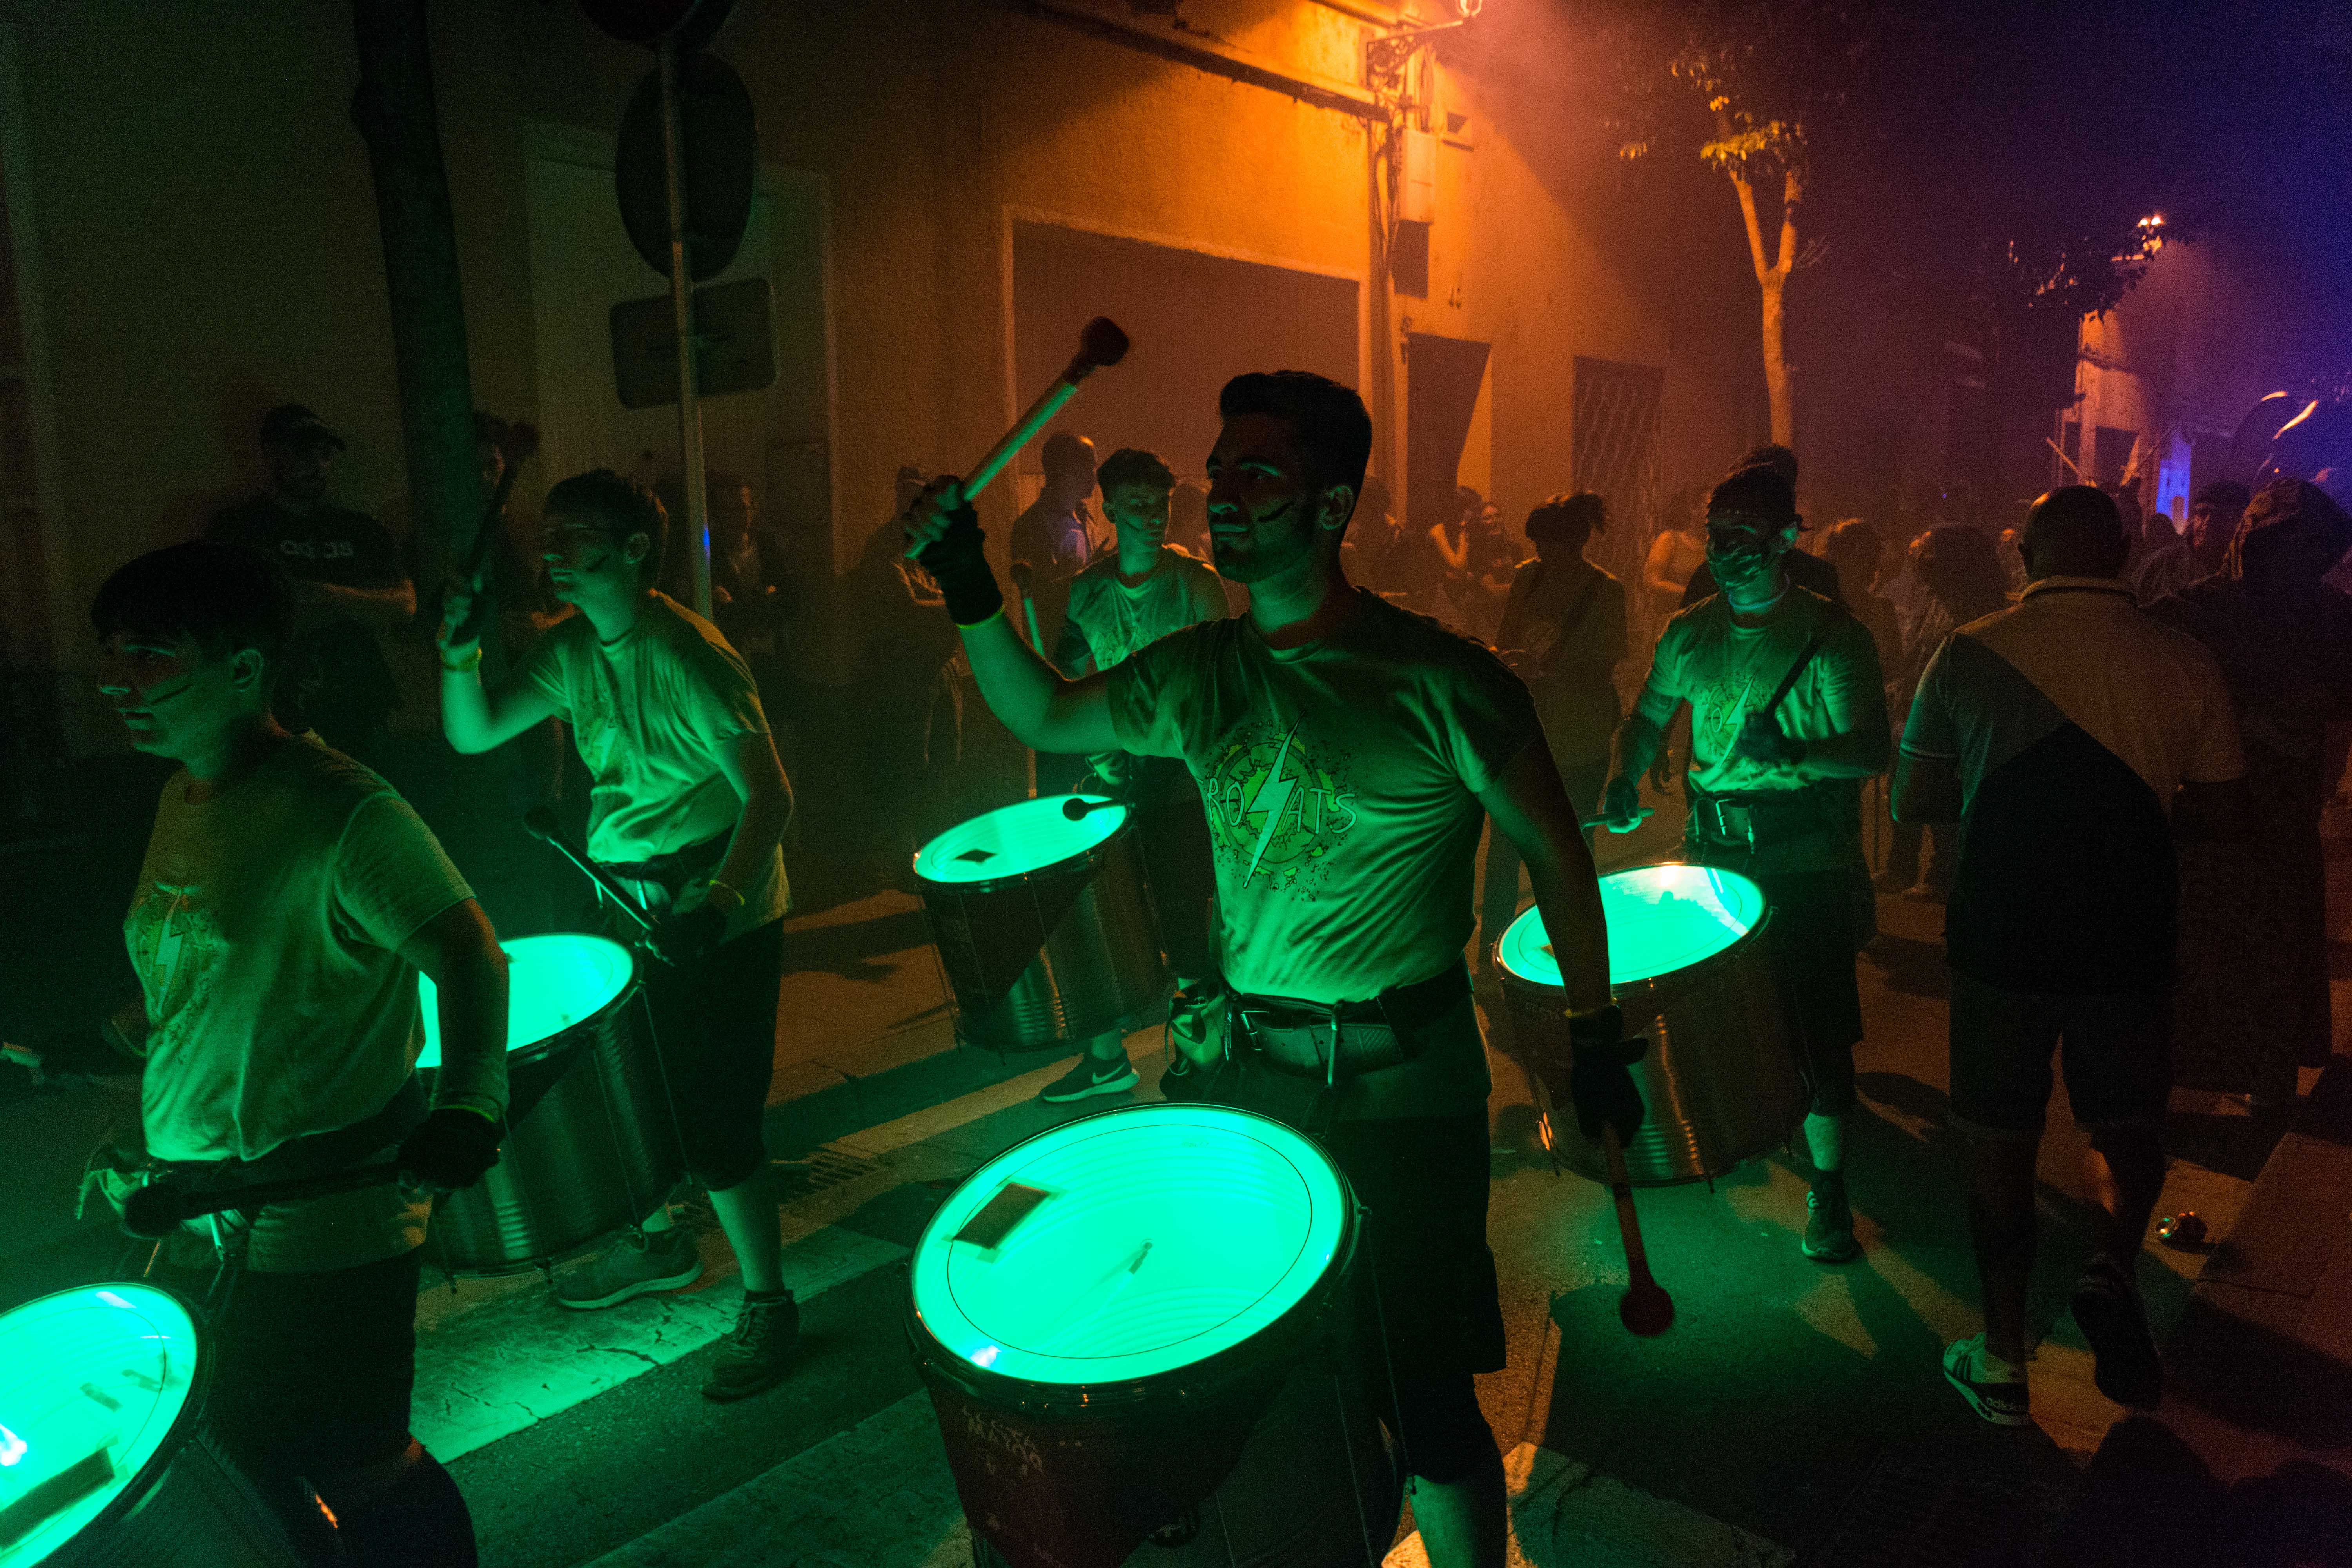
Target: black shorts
(312,1372)
(2115,1051)
(1812,939)
(715,1024)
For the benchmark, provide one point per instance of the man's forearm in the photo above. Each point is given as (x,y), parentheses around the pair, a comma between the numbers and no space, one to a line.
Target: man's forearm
(758,831)
(1578,932)
(1638,739)
(1850,756)
(1014,680)
(472,1002)
(465,708)
(387,609)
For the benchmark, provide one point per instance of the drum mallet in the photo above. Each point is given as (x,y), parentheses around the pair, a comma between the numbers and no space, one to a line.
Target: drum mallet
(541,824)
(1100,343)
(156,1210)
(1645,1308)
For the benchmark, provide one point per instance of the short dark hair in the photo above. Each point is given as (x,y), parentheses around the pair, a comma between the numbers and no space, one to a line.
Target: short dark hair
(1772,456)
(1065,450)
(1133,466)
(2076,531)
(1756,491)
(1578,515)
(1853,537)
(1330,418)
(620,506)
(222,597)
(2227,494)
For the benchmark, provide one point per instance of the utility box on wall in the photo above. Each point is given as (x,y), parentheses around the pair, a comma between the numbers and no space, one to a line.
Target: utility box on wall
(1417,177)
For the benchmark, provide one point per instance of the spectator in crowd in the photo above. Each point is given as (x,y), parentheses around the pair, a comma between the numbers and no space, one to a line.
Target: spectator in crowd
(1563,633)
(1054,539)
(2158,559)
(1678,551)
(1188,519)
(2075,738)
(1377,553)
(1853,548)
(2198,553)
(752,596)
(1964,582)
(2010,547)
(2252,1004)
(350,589)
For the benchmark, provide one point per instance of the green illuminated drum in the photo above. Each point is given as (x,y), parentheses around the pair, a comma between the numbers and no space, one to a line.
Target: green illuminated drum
(1688,965)
(591,1146)
(1043,925)
(1129,1326)
(103,1459)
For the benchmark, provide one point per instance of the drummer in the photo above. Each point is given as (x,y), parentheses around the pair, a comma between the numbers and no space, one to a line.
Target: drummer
(1346,750)
(1772,787)
(688,809)
(288,900)
(1125,600)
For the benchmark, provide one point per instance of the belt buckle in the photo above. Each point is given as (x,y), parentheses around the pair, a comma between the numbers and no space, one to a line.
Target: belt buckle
(1735,823)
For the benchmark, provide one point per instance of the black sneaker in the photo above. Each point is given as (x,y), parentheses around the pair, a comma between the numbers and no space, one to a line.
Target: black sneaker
(2108,1311)
(1829,1229)
(756,1355)
(2001,1401)
(1090,1077)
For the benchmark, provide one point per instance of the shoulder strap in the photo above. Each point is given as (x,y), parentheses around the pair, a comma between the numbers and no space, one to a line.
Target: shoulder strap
(1789,681)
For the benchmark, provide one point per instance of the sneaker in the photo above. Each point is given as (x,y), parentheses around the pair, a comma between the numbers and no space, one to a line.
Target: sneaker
(2108,1309)
(755,1357)
(640,1263)
(1090,1077)
(2001,1401)
(1829,1229)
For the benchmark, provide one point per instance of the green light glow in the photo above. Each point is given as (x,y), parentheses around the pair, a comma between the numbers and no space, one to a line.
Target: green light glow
(552,983)
(1174,1232)
(1661,919)
(105,1367)
(1015,839)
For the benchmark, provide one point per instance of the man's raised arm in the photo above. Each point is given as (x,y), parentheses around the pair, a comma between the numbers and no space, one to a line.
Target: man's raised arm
(1027,695)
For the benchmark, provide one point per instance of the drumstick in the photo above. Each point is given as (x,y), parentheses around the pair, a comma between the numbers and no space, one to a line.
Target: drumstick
(541,824)
(1645,1308)
(1641,816)
(1077,807)
(1100,343)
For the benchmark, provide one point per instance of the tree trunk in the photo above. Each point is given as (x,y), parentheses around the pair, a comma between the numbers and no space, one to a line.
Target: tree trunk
(395,112)
(1772,283)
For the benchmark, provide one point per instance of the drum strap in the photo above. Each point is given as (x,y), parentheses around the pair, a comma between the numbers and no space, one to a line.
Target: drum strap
(314,1153)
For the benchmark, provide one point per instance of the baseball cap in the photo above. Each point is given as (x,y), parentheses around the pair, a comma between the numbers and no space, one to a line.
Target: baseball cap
(291,424)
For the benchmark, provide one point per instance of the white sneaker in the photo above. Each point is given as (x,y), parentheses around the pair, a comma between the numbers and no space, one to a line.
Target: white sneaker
(2001,1401)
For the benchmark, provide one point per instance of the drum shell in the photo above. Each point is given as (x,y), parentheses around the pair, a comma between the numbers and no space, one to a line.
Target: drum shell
(1719,1079)
(1049,959)
(593,1149)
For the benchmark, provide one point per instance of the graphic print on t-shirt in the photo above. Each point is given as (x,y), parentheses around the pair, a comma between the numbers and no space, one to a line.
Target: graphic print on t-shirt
(1279,805)
(174,942)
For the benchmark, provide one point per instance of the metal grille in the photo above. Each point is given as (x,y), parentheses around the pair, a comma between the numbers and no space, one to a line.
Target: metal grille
(1924,1512)
(824,1168)
(1617,443)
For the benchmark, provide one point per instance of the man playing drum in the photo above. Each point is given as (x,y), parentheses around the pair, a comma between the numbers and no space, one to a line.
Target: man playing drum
(688,809)
(1786,715)
(1119,603)
(1346,750)
(288,902)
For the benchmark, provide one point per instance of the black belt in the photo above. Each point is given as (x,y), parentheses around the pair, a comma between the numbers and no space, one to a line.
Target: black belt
(1749,821)
(674,869)
(1335,1040)
(313,1153)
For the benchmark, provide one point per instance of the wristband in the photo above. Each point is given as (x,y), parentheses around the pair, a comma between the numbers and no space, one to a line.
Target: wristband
(713,887)
(463,664)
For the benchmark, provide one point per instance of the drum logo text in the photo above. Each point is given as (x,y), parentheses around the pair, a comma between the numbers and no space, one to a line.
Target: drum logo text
(1006,1439)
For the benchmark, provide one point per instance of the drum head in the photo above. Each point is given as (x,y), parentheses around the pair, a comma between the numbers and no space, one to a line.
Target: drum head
(1661,919)
(1016,840)
(1167,1234)
(92,1385)
(554,984)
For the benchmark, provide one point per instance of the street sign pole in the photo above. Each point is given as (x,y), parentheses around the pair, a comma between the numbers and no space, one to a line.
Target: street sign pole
(681,294)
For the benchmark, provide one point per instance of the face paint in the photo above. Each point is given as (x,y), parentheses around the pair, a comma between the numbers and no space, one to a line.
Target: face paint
(1742,550)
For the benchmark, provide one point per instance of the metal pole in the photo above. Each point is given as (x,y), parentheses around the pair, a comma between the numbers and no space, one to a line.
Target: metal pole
(681,297)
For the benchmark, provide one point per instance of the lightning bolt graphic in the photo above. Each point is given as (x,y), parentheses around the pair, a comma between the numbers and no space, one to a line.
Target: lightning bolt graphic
(1274,795)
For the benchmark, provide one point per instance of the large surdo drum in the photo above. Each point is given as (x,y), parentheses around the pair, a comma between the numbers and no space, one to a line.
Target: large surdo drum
(1689,966)
(1130,1327)
(591,1145)
(103,1459)
(1043,925)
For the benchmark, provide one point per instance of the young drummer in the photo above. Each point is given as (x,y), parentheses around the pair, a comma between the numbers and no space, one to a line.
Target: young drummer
(1127,600)
(288,903)
(688,809)
(1347,751)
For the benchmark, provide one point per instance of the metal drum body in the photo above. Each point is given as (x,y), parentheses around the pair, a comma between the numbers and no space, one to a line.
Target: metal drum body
(1687,965)
(591,1146)
(1043,925)
(122,1367)
(1145,1369)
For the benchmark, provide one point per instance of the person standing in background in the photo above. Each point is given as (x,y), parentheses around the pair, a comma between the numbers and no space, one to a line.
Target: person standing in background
(1563,633)
(1678,551)
(1054,539)
(1964,582)
(350,590)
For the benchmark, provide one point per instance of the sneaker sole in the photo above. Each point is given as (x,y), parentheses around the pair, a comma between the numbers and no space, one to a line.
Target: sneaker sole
(1127,1081)
(1986,1412)
(630,1291)
(1847,1254)
(2124,1362)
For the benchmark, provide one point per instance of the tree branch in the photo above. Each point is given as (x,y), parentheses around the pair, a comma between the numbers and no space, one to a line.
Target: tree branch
(1755,229)
(1792,195)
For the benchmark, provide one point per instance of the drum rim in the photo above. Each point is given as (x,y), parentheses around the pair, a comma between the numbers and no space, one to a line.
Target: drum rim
(1650,984)
(547,1046)
(1084,859)
(1218,1367)
(186,1425)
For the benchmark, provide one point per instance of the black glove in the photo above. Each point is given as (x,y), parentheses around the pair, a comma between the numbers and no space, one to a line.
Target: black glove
(449,1149)
(684,938)
(1599,1081)
(957,563)
(1761,740)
